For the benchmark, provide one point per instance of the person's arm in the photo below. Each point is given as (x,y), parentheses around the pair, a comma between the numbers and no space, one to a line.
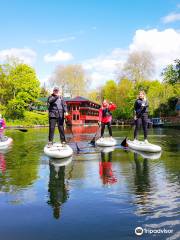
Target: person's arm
(112,107)
(52,99)
(100,114)
(145,104)
(135,106)
(64,105)
(135,110)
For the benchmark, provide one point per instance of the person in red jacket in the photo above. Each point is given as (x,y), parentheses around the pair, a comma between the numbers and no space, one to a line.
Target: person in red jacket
(105,116)
(2,127)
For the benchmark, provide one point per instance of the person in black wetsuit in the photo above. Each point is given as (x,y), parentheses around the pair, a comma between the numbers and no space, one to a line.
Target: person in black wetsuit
(57,110)
(141,115)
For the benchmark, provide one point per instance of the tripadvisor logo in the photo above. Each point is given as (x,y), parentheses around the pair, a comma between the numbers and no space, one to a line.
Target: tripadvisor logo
(138,231)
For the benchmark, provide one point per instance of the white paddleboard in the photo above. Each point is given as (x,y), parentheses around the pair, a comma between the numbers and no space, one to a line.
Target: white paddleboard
(106,142)
(5,143)
(143,147)
(58,151)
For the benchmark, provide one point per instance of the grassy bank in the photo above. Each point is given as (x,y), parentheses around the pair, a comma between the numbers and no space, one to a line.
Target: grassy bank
(30,119)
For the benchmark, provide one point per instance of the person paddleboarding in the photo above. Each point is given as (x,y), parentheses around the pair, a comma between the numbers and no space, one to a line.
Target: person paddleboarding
(105,117)
(2,127)
(57,111)
(141,115)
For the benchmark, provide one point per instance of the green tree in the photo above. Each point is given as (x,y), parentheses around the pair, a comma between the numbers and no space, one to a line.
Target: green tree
(158,94)
(19,87)
(143,85)
(110,91)
(44,92)
(94,95)
(24,83)
(171,74)
(125,99)
(15,109)
(5,84)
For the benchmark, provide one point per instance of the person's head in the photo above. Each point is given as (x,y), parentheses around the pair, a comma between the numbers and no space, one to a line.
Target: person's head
(142,94)
(105,103)
(56,91)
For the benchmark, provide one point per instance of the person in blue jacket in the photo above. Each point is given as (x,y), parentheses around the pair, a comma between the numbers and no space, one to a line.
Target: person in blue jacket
(57,111)
(141,115)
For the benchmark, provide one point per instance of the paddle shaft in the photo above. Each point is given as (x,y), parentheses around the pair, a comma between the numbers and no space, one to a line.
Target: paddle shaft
(93,140)
(70,126)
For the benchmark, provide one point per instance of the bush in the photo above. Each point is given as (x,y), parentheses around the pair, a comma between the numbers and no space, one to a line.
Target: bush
(30,119)
(15,109)
(36,118)
(2,109)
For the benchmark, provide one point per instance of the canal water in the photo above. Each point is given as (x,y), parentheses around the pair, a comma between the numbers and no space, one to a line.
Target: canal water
(101,194)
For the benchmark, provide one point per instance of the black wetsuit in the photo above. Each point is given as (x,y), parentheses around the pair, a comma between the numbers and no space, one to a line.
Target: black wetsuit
(57,107)
(141,110)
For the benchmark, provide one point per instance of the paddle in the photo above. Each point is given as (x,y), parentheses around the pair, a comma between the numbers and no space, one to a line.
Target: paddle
(70,127)
(94,138)
(22,130)
(124,143)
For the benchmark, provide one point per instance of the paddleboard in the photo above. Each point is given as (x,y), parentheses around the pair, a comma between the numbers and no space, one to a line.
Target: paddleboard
(58,151)
(5,142)
(106,142)
(143,147)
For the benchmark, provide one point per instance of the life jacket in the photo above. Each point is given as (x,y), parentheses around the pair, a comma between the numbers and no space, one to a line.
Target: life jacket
(1,123)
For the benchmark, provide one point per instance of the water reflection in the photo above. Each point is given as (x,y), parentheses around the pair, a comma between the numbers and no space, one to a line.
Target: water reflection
(106,168)
(147,196)
(2,164)
(156,195)
(142,182)
(148,155)
(58,186)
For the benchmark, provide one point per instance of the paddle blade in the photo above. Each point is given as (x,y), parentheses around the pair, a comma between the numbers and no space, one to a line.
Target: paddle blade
(78,149)
(124,143)
(22,130)
(93,141)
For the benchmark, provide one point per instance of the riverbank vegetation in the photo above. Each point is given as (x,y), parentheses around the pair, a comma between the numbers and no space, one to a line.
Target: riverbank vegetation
(136,75)
(20,89)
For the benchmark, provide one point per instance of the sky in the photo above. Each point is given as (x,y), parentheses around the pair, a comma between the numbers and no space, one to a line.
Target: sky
(98,34)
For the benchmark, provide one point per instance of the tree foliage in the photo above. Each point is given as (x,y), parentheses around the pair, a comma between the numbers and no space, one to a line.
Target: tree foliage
(161,97)
(71,79)
(171,73)
(110,91)
(139,66)
(19,87)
